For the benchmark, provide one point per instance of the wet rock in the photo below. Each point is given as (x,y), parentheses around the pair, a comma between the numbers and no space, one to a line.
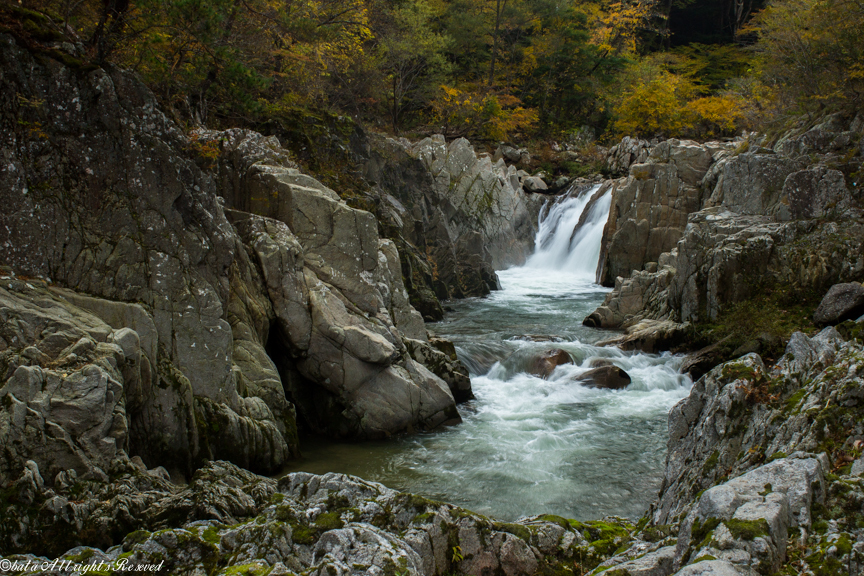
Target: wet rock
(544,364)
(540,338)
(610,377)
(842,302)
(650,336)
(440,357)
(642,294)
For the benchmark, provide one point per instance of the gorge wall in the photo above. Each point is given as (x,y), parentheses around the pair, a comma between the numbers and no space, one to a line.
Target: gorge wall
(696,229)
(188,299)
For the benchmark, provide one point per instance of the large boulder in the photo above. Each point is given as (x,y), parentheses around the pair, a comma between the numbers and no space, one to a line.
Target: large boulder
(841,302)
(815,193)
(752,183)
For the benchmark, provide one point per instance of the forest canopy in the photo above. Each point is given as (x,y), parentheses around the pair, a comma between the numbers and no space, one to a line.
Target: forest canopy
(490,70)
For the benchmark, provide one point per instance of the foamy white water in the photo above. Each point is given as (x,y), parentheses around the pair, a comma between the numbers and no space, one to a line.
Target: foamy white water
(530,445)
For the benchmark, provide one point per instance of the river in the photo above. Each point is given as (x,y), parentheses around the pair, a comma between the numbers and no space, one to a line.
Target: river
(527,445)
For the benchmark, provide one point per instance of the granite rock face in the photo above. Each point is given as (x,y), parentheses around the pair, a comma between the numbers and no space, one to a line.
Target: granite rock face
(750,220)
(650,207)
(463,214)
(216,295)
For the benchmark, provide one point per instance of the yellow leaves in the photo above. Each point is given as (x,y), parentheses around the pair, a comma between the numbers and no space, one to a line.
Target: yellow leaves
(657,101)
(716,113)
(650,107)
(488,116)
(617,24)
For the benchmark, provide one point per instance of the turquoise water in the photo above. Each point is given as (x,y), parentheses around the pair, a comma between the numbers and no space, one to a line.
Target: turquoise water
(527,445)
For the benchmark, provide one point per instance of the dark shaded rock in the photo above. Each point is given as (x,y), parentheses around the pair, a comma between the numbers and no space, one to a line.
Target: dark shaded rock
(544,364)
(650,336)
(702,361)
(842,302)
(599,362)
(611,377)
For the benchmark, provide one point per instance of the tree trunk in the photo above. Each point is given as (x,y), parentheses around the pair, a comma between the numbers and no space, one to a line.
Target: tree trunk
(495,42)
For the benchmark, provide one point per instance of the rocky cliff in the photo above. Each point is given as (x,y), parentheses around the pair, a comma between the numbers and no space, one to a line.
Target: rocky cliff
(769,228)
(186,299)
(456,216)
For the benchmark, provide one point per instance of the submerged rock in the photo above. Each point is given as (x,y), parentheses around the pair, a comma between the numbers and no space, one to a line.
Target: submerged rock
(611,377)
(544,364)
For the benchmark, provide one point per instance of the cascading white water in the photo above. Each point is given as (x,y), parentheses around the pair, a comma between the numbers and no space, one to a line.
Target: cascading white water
(530,445)
(561,244)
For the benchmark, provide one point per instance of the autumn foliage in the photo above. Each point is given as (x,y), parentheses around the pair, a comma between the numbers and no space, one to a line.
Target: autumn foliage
(489,70)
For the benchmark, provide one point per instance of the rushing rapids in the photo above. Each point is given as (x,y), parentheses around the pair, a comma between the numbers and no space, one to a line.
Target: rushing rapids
(530,445)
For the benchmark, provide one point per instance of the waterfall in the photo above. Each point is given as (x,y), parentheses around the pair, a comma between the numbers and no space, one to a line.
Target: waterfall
(568,239)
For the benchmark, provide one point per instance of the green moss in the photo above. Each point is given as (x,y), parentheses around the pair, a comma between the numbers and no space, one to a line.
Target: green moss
(211,534)
(776,310)
(740,371)
(704,558)
(329,521)
(776,456)
(656,533)
(517,530)
(747,529)
(701,531)
(137,537)
(791,405)
(81,557)
(303,534)
(822,566)
(599,530)
(563,522)
(417,502)
(710,463)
